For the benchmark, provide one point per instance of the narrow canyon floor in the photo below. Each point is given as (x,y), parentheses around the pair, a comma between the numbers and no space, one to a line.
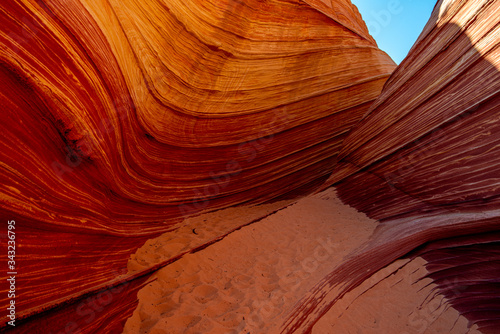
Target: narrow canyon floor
(250,278)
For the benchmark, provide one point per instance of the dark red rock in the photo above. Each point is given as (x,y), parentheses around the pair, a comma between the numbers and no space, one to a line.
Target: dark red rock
(119,119)
(424,161)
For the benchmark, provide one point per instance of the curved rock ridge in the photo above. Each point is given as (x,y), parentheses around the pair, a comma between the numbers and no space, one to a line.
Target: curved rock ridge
(120,118)
(435,121)
(466,271)
(424,162)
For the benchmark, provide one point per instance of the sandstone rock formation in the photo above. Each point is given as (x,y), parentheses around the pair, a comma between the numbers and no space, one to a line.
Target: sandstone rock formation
(424,161)
(123,118)
(120,118)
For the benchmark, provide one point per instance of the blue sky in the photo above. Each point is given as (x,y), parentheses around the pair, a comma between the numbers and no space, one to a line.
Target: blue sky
(395,24)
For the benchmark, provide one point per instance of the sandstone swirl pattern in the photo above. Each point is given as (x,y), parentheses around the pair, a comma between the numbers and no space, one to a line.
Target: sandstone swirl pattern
(424,161)
(119,118)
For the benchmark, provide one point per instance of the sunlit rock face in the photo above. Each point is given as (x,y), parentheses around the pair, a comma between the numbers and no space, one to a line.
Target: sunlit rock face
(120,118)
(424,161)
(430,136)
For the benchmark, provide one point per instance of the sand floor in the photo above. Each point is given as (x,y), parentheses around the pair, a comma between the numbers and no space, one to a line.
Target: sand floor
(397,299)
(250,279)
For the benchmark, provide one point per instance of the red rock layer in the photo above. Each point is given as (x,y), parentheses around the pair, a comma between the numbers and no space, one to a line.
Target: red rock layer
(467,272)
(121,117)
(424,161)
(430,137)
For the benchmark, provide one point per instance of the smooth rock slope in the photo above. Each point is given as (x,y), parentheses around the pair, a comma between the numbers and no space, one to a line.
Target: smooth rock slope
(127,124)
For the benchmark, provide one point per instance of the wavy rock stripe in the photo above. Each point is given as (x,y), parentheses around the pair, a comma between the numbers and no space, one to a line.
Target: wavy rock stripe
(424,161)
(102,312)
(388,243)
(466,270)
(397,299)
(436,118)
(121,117)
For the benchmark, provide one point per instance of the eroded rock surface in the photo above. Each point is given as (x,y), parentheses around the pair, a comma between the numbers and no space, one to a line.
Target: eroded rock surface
(121,118)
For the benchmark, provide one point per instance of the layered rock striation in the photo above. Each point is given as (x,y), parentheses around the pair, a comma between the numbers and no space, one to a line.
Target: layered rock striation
(423,161)
(121,118)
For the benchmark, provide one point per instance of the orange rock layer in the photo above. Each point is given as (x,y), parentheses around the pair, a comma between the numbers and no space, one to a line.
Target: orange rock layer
(120,118)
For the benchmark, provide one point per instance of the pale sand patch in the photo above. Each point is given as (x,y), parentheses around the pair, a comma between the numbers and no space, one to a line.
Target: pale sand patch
(249,281)
(197,231)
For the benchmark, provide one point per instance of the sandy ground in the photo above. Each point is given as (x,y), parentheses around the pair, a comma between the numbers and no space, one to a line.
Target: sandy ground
(397,299)
(197,231)
(249,280)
